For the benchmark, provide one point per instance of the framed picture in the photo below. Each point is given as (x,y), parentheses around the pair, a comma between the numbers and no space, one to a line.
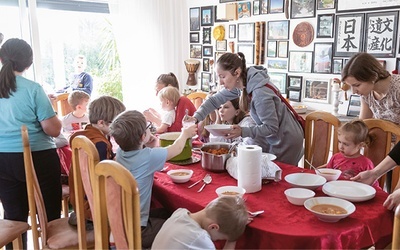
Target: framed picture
(248,51)
(232,31)
(195,51)
(221,45)
(205,81)
(275,6)
(354,106)
(337,66)
(207,35)
(194,16)
(207,18)
(207,50)
(245,32)
(357,5)
(294,95)
(283,47)
(243,9)
(271,49)
(216,20)
(279,80)
(280,64)
(206,64)
(264,6)
(300,61)
(256,7)
(322,58)
(381,33)
(316,90)
(325,4)
(302,9)
(295,82)
(348,40)
(194,37)
(278,30)
(325,24)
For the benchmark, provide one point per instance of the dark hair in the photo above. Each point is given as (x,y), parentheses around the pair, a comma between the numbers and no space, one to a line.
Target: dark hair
(169,80)
(15,55)
(364,67)
(231,62)
(236,104)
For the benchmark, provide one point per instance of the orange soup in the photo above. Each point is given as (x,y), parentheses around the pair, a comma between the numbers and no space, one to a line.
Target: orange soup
(328,209)
(179,174)
(230,193)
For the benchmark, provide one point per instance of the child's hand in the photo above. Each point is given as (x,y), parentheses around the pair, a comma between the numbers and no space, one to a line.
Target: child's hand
(190,131)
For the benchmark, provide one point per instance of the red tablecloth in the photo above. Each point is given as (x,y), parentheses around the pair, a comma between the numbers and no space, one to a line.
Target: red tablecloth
(283,225)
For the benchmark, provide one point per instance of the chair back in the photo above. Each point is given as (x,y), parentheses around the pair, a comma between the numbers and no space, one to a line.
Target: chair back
(321,136)
(116,202)
(84,158)
(396,229)
(383,134)
(197,98)
(61,105)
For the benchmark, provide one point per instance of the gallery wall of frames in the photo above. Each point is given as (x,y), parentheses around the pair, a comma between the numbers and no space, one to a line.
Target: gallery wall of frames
(303,44)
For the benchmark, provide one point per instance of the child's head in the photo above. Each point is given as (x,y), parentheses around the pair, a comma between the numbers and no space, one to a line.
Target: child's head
(80,63)
(230,112)
(165,80)
(78,100)
(103,110)
(129,130)
(352,136)
(169,97)
(230,216)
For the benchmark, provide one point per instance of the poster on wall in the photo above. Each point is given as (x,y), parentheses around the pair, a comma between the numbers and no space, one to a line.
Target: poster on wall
(357,5)
(348,38)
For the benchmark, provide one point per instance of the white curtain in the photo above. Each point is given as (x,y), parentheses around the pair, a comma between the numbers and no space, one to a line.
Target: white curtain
(150,37)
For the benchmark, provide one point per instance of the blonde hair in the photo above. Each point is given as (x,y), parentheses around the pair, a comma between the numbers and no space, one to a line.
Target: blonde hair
(169,93)
(77,97)
(230,213)
(356,131)
(105,108)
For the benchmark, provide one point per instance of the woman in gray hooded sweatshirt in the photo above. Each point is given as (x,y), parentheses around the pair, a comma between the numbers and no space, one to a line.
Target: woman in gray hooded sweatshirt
(277,131)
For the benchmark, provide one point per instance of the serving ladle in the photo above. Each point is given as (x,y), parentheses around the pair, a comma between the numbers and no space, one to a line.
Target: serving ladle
(311,165)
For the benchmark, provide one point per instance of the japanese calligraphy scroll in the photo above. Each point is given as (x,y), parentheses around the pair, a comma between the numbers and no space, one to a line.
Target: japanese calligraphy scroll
(349,35)
(356,5)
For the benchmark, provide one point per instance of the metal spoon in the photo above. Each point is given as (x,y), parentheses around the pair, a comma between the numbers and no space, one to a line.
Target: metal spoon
(311,165)
(207,180)
(254,214)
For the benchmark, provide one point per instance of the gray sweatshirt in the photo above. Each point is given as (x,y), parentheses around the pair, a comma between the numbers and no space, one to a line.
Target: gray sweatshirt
(269,113)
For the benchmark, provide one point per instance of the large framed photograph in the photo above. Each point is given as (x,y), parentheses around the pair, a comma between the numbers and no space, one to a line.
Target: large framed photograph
(283,48)
(278,30)
(194,17)
(316,90)
(276,6)
(358,5)
(194,37)
(195,51)
(248,51)
(302,9)
(207,35)
(348,38)
(245,32)
(325,4)
(300,61)
(271,48)
(322,58)
(232,31)
(381,33)
(279,80)
(205,81)
(207,17)
(354,106)
(325,24)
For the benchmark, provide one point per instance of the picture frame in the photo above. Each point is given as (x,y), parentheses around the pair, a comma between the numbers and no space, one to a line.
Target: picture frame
(256,8)
(294,95)
(207,16)
(279,80)
(337,66)
(325,25)
(276,6)
(381,33)
(216,20)
(194,19)
(221,45)
(354,107)
(302,9)
(206,64)
(244,9)
(316,90)
(194,37)
(271,48)
(359,5)
(205,81)
(195,51)
(245,32)
(207,50)
(322,58)
(264,7)
(283,49)
(295,82)
(277,64)
(207,35)
(300,61)
(325,4)
(232,31)
(278,30)
(348,40)
(248,51)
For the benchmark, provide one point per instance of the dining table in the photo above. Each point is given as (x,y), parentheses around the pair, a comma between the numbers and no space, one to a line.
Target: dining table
(282,225)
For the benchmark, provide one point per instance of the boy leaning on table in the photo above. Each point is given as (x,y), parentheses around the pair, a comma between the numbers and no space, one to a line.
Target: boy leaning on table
(131,132)
(224,218)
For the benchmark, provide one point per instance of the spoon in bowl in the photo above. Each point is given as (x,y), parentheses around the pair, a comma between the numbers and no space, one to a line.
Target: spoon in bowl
(311,165)
(254,214)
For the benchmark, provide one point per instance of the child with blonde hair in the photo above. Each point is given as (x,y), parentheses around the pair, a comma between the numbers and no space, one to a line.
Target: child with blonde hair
(78,118)
(169,98)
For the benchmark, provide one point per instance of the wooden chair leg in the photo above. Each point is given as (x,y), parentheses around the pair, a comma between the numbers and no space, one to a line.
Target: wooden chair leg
(17,243)
(65,207)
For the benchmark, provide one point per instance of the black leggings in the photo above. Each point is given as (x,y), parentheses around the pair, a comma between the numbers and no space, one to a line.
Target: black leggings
(13,194)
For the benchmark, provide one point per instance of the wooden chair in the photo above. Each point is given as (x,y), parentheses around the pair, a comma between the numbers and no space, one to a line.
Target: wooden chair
(57,233)
(11,231)
(320,137)
(84,158)
(382,133)
(396,230)
(61,105)
(197,98)
(116,199)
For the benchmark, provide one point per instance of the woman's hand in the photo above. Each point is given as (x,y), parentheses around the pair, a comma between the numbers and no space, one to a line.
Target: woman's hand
(367,177)
(236,131)
(393,200)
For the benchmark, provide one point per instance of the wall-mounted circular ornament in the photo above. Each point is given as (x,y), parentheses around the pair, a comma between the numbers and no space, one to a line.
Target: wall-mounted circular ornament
(219,33)
(303,34)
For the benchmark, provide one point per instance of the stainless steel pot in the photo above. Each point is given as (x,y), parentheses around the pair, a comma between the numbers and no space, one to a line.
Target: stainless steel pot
(212,162)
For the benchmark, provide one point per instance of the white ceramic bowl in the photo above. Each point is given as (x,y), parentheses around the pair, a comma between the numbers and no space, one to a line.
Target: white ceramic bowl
(180,175)
(300,109)
(297,196)
(329,174)
(326,201)
(219,129)
(305,180)
(230,190)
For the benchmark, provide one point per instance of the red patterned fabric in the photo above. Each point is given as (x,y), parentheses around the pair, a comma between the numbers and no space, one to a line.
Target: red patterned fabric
(283,225)
(183,104)
(65,155)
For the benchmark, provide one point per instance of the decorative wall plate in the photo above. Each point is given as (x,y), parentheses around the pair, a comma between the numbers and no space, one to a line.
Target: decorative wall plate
(303,34)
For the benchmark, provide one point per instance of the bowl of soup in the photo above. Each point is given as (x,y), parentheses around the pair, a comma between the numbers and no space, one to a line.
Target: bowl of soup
(329,174)
(230,190)
(180,175)
(329,209)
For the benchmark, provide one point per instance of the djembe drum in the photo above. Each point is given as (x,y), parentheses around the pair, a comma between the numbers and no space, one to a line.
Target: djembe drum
(191,67)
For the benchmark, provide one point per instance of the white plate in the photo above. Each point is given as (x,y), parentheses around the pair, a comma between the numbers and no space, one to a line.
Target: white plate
(271,157)
(305,180)
(349,190)
(218,129)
